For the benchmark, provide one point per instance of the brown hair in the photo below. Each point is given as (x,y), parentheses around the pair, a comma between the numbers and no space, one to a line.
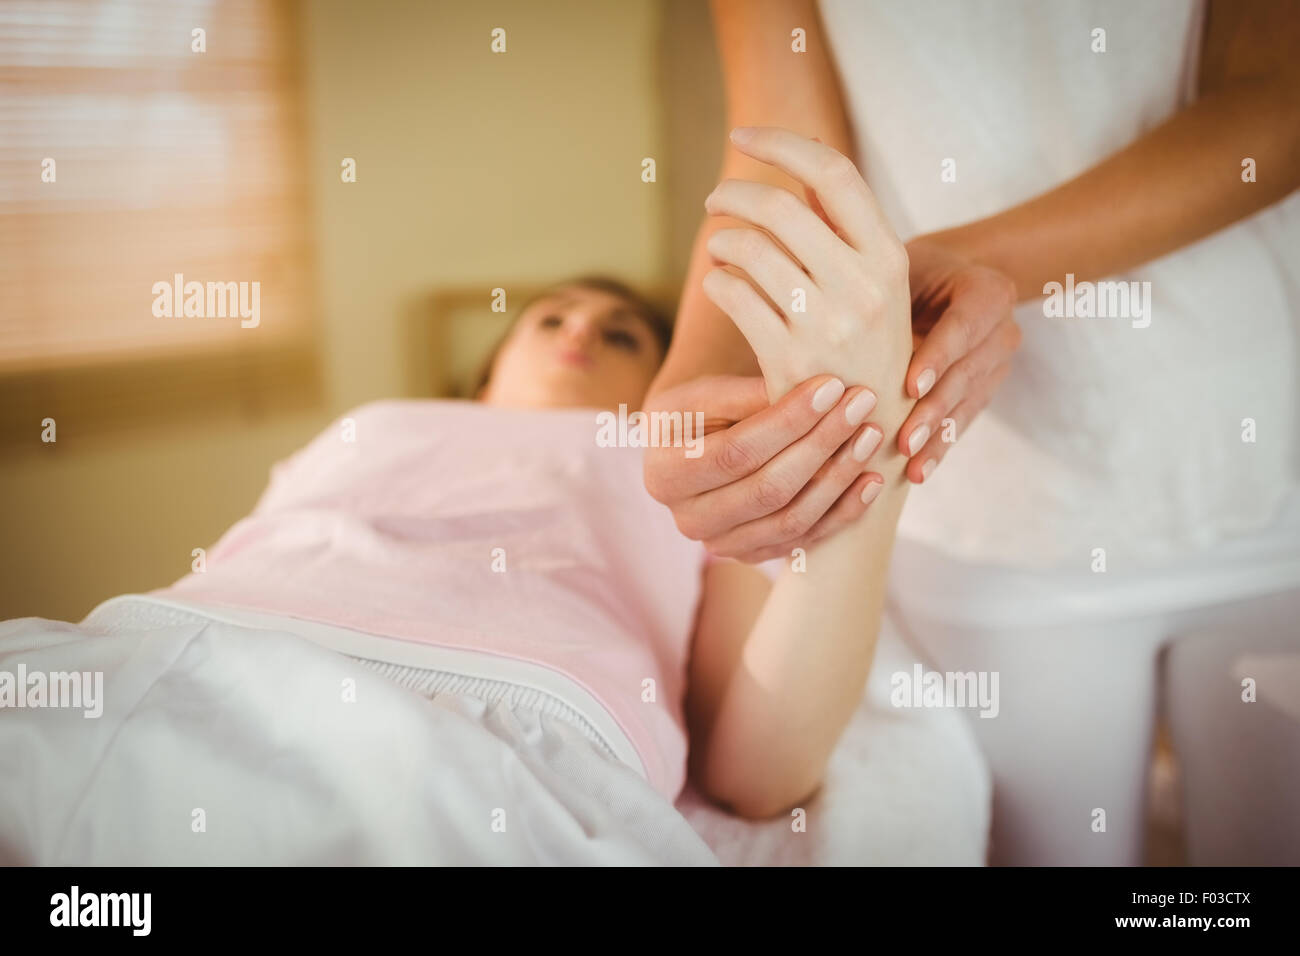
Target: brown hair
(645,307)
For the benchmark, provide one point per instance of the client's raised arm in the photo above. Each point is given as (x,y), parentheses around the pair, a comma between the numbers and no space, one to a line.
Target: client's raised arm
(776,672)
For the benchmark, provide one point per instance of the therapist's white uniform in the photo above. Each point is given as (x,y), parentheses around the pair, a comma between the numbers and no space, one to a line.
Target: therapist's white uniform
(1162,445)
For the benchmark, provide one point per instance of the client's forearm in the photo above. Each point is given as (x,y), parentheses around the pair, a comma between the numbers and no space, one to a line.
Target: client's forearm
(774,695)
(803,667)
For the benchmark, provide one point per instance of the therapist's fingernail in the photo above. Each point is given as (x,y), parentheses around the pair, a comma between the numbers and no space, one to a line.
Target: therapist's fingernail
(860,407)
(916,441)
(827,395)
(928,469)
(742,134)
(869,493)
(867,443)
(924,382)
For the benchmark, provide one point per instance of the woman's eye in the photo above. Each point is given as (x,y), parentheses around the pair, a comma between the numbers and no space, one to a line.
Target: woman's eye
(622,340)
(550,322)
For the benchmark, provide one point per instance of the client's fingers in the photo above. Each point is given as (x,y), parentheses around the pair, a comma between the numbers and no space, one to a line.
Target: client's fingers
(786,217)
(818,496)
(767,266)
(830,174)
(763,328)
(738,451)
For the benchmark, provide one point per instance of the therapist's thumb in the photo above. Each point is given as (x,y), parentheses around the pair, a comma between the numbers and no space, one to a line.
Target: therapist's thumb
(724,399)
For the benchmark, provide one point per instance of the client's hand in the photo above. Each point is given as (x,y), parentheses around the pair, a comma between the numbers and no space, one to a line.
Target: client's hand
(816,291)
(770,478)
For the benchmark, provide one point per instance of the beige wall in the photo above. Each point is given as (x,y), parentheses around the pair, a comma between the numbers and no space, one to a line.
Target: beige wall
(473,168)
(694,122)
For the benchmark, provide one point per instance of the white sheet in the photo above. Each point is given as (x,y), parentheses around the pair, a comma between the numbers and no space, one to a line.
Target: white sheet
(249,732)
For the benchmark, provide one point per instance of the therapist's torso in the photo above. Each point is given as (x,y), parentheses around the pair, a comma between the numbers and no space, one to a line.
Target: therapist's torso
(1109,432)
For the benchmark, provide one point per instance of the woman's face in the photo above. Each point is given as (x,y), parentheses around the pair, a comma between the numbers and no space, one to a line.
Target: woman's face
(576,347)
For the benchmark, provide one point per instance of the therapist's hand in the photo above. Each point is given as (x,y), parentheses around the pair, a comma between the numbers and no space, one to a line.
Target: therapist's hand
(770,478)
(965,338)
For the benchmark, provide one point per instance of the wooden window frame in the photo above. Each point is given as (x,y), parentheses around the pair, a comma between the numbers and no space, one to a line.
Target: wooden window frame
(109,396)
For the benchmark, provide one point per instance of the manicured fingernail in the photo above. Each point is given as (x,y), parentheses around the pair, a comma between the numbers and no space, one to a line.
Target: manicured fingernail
(918,439)
(867,443)
(928,469)
(742,134)
(860,407)
(869,493)
(827,395)
(924,382)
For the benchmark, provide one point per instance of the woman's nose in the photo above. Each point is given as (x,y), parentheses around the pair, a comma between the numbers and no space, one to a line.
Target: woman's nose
(579,331)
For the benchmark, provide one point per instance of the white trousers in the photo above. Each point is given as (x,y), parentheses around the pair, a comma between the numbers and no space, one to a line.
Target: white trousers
(1087,662)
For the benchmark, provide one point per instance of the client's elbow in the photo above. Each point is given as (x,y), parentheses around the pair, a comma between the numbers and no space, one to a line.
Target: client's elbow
(756,794)
(761,804)
(759,811)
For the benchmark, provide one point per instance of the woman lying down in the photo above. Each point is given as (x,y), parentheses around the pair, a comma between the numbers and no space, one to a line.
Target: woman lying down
(582,656)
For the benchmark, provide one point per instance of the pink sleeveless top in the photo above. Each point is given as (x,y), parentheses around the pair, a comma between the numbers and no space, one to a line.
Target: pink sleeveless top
(503,532)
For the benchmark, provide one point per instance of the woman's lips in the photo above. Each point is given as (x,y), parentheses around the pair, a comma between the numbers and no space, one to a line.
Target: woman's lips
(576,358)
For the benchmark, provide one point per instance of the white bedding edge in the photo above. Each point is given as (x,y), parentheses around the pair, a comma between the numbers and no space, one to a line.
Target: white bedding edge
(393,650)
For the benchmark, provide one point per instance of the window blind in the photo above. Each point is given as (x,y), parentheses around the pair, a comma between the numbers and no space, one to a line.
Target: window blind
(166,163)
